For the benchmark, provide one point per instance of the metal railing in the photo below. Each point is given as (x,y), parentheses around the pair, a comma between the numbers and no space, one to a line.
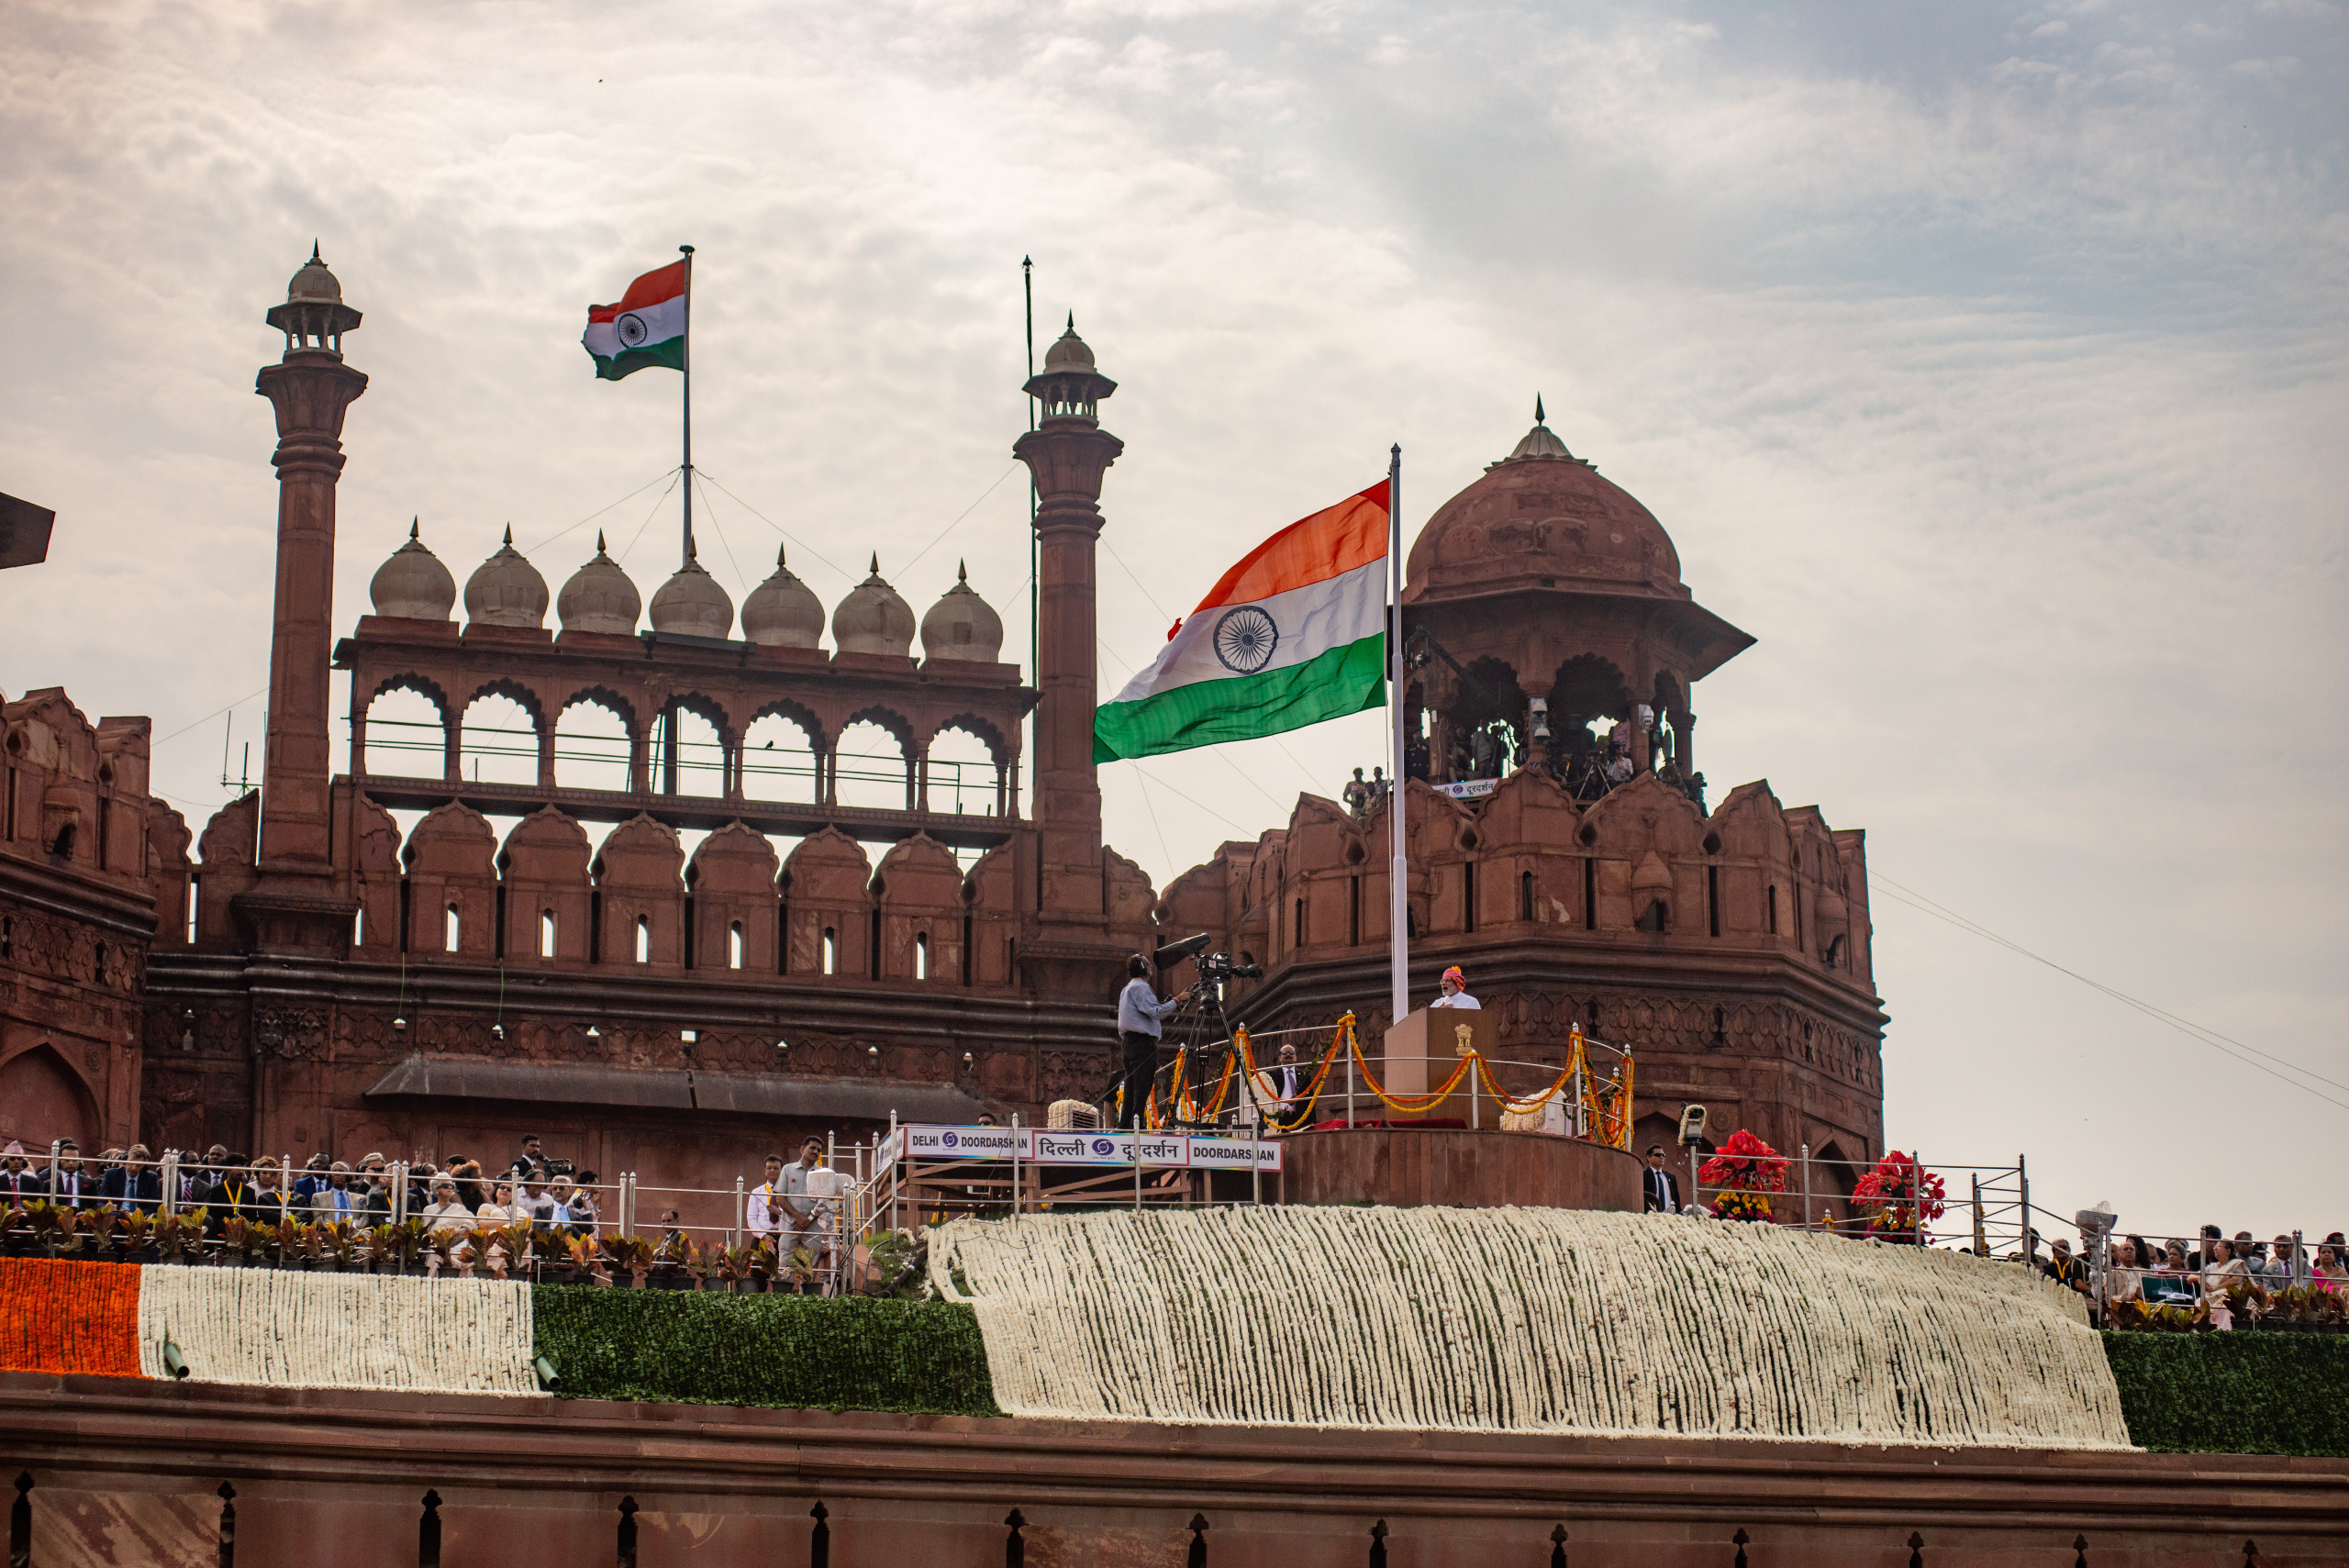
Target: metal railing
(950,790)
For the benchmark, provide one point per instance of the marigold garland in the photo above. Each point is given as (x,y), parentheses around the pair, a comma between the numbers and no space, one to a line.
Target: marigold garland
(60,1317)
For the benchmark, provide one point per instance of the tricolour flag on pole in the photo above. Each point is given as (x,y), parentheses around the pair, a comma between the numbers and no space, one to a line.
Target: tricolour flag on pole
(646,327)
(1293,635)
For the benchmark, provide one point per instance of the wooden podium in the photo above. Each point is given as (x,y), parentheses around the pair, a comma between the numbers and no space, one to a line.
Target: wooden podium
(1423,1048)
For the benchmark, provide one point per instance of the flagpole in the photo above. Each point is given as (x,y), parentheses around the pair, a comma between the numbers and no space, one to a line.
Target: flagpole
(685,357)
(1398,872)
(1035,550)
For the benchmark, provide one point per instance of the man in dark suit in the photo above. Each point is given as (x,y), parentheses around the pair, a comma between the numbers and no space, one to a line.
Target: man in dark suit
(73,1186)
(135,1184)
(1660,1186)
(1290,1080)
(17,1182)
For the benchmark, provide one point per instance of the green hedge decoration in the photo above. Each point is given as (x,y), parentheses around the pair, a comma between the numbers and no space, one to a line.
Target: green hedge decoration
(2258,1392)
(799,1352)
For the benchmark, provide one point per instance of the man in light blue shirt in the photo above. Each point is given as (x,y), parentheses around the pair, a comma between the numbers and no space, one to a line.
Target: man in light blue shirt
(1139,1011)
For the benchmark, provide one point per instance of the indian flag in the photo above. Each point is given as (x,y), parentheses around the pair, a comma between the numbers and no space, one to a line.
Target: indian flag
(1293,635)
(646,327)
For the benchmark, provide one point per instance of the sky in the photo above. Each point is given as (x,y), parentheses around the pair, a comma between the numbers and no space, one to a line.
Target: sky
(1986,365)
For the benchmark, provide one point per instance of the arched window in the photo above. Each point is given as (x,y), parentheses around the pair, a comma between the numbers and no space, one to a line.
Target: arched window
(644,939)
(546,933)
(1525,895)
(922,955)
(449,930)
(359,926)
(497,741)
(734,945)
(831,951)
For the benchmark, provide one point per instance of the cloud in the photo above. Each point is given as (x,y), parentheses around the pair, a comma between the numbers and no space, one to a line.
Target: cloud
(1988,376)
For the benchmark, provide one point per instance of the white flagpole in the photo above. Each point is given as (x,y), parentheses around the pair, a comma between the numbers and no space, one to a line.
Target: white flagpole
(1397,877)
(685,357)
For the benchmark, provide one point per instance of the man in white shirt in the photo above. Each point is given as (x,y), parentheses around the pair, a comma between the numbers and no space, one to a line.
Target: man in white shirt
(766,1213)
(1138,1012)
(1455,986)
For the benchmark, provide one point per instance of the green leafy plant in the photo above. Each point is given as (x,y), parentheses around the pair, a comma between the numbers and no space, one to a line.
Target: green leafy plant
(138,1231)
(2240,1393)
(851,1353)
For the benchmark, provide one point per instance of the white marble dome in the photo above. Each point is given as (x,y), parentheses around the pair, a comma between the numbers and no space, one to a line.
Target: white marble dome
(599,597)
(413,585)
(691,604)
(873,619)
(507,590)
(962,625)
(782,612)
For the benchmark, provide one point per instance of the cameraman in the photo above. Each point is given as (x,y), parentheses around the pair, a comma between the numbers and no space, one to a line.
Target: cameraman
(1139,1011)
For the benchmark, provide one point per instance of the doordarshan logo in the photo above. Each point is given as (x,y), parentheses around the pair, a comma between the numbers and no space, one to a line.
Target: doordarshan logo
(1103,1146)
(948,1139)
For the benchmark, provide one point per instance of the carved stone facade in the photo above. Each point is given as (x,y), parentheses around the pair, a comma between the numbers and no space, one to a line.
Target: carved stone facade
(93,874)
(1727,950)
(677,1008)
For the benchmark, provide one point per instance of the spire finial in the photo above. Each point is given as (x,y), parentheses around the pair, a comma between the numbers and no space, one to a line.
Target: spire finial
(314,250)
(962,572)
(1072,324)
(693,552)
(509,533)
(414,525)
(778,558)
(1539,418)
(599,542)
(875,567)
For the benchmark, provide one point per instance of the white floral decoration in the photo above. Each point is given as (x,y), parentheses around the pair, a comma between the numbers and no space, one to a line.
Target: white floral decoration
(1523,1319)
(304,1330)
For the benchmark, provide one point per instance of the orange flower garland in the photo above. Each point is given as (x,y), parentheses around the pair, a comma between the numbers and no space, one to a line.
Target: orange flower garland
(62,1316)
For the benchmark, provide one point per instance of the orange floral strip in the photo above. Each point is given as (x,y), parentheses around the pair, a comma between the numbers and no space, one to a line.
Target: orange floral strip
(57,1315)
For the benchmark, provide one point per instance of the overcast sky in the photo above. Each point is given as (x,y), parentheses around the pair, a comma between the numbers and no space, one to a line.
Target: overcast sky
(1987,365)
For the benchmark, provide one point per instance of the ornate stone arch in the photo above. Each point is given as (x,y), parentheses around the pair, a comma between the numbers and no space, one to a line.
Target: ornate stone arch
(605,698)
(972,724)
(524,697)
(412,681)
(799,713)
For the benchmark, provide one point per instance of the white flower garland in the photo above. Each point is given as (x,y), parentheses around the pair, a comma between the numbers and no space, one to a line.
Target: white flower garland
(301,1330)
(1525,1320)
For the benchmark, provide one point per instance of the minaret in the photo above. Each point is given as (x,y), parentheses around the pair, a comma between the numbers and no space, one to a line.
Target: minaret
(1067,452)
(310,387)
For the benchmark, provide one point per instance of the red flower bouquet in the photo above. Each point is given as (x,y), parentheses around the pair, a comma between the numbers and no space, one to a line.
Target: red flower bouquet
(1890,1195)
(1746,1170)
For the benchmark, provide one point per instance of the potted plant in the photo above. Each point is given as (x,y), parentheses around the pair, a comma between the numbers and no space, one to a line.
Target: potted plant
(16,1230)
(138,1235)
(104,1226)
(233,1231)
(259,1241)
(1890,1195)
(1746,1171)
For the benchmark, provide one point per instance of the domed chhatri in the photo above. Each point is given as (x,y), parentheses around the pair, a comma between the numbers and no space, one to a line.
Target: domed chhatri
(599,597)
(413,585)
(962,625)
(313,318)
(507,590)
(873,619)
(691,604)
(1070,386)
(1542,516)
(782,612)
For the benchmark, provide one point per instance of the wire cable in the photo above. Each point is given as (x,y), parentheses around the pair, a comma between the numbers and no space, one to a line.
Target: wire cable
(1924,906)
(601,510)
(711,513)
(789,537)
(957,523)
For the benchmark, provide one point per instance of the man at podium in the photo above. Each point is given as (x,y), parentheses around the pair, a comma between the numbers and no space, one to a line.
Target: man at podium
(1454,985)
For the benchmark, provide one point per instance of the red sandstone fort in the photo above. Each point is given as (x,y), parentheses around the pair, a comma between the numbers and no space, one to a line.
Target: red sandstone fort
(313,977)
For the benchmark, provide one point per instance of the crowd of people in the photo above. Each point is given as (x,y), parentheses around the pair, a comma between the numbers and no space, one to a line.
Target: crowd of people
(794,1206)
(2204,1272)
(550,1194)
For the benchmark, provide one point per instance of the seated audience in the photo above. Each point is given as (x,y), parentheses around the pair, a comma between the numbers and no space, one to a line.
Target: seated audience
(2122,1279)
(2223,1270)
(501,1209)
(72,1186)
(2173,1284)
(2329,1271)
(336,1199)
(586,1208)
(2202,1254)
(313,1177)
(2064,1268)
(19,1185)
(444,1212)
(136,1184)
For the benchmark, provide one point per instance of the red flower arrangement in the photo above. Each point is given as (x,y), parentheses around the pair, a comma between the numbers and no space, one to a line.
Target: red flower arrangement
(1891,1191)
(1746,1168)
(69,1318)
